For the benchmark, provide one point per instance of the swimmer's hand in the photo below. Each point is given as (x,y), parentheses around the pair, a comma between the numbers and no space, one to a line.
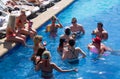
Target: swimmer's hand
(44,43)
(75,69)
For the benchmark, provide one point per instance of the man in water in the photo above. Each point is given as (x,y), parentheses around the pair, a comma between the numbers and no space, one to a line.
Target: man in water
(100,31)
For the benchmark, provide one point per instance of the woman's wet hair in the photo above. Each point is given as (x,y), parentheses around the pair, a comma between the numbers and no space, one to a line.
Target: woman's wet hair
(67,31)
(71,42)
(12,20)
(62,40)
(46,55)
(53,18)
(37,39)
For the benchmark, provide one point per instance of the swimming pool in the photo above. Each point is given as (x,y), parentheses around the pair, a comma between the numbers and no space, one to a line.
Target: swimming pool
(17,65)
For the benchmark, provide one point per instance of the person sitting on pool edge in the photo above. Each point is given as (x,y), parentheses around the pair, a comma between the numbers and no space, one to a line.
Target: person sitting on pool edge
(47,67)
(52,28)
(11,34)
(71,53)
(97,47)
(76,29)
(100,31)
(20,26)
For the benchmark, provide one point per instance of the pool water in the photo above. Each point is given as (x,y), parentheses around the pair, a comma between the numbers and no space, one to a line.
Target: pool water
(17,65)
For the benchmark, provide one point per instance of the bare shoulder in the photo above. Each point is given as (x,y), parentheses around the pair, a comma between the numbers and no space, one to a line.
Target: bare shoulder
(62,36)
(71,26)
(77,49)
(52,64)
(104,31)
(80,25)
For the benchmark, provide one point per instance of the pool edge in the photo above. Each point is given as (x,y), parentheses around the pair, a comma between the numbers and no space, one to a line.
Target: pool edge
(58,7)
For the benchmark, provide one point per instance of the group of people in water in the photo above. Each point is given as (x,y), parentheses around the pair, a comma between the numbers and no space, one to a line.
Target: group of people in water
(17,31)
(66,48)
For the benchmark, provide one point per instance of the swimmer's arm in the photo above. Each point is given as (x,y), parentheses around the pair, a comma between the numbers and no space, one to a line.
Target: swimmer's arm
(82,52)
(37,67)
(109,49)
(61,70)
(82,30)
(89,46)
(59,24)
(106,48)
(94,32)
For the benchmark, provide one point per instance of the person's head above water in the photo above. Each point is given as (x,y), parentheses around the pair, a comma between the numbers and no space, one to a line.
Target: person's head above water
(100,24)
(37,39)
(67,31)
(74,20)
(62,40)
(71,42)
(46,55)
(53,18)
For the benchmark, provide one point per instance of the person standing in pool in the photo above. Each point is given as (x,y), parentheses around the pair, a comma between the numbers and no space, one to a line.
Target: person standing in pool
(62,44)
(52,28)
(100,31)
(71,53)
(76,29)
(38,47)
(67,36)
(47,67)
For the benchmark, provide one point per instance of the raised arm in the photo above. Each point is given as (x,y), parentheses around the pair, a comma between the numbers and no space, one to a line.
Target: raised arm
(81,52)
(60,70)
(82,29)
(59,24)
(37,67)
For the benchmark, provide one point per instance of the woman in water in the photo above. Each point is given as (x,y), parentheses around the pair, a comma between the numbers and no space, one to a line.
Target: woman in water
(76,29)
(46,66)
(97,47)
(37,46)
(71,53)
(52,28)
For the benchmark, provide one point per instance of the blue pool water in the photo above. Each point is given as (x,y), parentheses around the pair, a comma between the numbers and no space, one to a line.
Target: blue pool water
(17,65)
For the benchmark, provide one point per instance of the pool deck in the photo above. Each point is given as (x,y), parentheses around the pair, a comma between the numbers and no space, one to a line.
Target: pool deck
(37,22)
